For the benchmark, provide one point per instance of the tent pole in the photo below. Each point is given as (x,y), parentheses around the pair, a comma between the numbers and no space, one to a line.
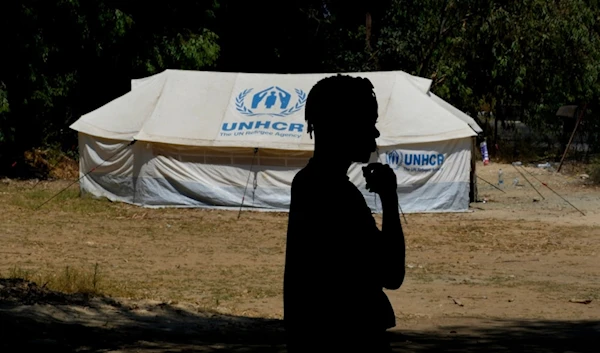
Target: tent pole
(473,182)
(571,139)
(247,182)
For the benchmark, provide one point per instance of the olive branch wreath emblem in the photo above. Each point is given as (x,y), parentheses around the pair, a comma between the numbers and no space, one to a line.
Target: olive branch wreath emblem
(241,107)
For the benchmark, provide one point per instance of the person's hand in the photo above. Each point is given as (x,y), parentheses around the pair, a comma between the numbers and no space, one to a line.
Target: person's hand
(380,178)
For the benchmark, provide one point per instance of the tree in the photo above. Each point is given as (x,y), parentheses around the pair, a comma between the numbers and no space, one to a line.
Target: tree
(70,57)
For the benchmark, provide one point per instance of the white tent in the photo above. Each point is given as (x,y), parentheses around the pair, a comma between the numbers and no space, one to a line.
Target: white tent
(213,139)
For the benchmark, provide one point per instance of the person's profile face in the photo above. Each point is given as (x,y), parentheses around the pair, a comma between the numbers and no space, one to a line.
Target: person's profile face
(362,137)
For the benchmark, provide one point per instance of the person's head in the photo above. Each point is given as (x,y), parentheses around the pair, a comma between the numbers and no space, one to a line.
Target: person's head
(341,110)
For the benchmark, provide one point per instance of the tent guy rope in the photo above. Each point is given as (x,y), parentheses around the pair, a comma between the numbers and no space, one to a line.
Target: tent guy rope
(83,176)
(491,184)
(524,177)
(557,194)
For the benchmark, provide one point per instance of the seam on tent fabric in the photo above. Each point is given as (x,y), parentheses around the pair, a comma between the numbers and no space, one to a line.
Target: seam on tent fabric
(443,134)
(114,132)
(87,127)
(451,113)
(437,138)
(237,75)
(135,179)
(429,93)
(446,105)
(209,143)
(145,80)
(156,100)
(391,96)
(415,85)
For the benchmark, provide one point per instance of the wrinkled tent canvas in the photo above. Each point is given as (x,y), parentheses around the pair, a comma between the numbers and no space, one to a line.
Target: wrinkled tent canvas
(211,139)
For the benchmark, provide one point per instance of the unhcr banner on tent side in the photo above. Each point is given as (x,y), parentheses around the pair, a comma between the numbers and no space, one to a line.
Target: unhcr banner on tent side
(431,177)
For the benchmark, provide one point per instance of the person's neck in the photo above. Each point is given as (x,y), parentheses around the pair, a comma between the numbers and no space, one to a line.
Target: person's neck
(331,162)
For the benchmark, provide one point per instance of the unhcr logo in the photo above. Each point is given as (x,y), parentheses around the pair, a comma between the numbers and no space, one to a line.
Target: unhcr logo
(415,162)
(268,106)
(273,101)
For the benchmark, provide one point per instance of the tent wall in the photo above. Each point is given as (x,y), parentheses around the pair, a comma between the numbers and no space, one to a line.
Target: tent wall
(111,163)
(432,177)
(216,178)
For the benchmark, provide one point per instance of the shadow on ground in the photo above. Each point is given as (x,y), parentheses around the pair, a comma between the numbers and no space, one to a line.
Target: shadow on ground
(33,319)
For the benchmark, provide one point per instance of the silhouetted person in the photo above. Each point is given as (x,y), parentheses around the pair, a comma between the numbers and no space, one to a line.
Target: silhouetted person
(271,100)
(337,260)
(259,97)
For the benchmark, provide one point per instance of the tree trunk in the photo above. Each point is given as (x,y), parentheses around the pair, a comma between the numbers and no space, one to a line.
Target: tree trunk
(368,41)
(492,149)
(368,26)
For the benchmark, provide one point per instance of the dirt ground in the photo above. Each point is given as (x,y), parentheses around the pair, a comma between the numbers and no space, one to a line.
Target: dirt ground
(518,273)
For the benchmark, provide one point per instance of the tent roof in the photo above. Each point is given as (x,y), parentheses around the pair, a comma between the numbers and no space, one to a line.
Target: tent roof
(204,108)
(459,114)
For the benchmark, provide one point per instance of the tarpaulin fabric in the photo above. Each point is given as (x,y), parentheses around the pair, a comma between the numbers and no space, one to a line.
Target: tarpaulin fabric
(432,177)
(197,108)
(211,139)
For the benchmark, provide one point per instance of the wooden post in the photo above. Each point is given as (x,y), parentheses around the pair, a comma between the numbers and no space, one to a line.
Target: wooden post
(368,25)
(571,139)
(473,173)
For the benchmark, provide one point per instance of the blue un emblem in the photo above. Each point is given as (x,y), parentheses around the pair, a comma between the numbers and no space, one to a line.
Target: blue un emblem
(273,101)
(394,159)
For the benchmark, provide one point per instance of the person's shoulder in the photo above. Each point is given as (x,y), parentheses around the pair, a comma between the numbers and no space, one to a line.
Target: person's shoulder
(303,175)
(301,179)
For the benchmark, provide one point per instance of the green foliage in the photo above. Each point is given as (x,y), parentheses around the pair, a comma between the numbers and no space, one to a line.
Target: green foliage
(594,171)
(513,60)
(69,57)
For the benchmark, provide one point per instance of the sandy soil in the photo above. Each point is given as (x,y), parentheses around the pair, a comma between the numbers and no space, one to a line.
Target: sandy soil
(517,273)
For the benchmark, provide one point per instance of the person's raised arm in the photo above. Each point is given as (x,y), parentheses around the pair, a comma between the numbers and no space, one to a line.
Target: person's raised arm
(393,241)
(382,180)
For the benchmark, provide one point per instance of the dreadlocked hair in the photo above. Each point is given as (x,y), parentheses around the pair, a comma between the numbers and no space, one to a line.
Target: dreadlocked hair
(338,97)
